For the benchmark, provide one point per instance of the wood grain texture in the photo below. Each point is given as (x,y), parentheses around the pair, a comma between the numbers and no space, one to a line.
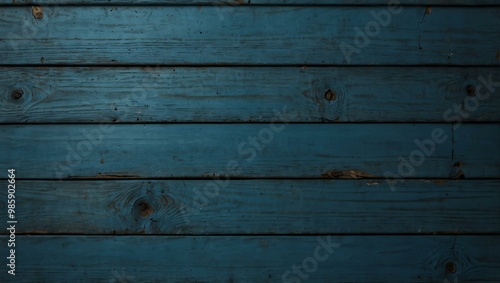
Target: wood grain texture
(252,2)
(256,207)
(238,150)
(256,258)
(186,35)
(239,94)
(196,171)
(466,154)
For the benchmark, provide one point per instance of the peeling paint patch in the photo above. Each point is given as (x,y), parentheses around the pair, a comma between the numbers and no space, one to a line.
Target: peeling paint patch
(440,181)
(37,12)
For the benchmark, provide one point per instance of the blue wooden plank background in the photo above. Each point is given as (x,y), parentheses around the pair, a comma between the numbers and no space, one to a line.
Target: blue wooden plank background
(250,141)
(246,94)
(258,258)
(254,2)
(234,150)
(262,207)
(193,35)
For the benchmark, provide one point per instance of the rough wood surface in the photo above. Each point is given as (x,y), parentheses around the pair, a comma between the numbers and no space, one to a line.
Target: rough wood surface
(214,165)
(253,2)
(238,150)
(477,150)
(260,35)
(257,259)
(239,94)
(257,207)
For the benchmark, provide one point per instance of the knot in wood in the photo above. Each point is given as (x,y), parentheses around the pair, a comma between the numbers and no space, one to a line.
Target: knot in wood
(330,95)
(17,94)
(450,267)
(471,91)
(143,208)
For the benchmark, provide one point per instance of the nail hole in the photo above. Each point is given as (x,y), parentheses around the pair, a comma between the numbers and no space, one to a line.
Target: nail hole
(471,91)
(330,95)
(17,94)
(451,267)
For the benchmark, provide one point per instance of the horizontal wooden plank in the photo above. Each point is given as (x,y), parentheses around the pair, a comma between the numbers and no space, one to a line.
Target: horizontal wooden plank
(239,94)
(237,150)
(252,2)
(255,259)
(256,207)
(97,35)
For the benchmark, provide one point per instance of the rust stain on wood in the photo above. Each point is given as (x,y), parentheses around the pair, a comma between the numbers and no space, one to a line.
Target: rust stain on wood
(347,174)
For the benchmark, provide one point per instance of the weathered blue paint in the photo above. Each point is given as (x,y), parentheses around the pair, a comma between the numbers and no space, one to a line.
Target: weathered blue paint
(138,149)
(254,2)
(478,144)
(257,207)
(239,94)
(257,258)
(186,35)
(238,150)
